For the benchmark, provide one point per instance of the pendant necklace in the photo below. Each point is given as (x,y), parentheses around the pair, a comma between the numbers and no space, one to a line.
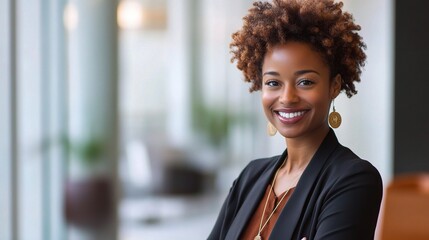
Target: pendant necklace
(261,227)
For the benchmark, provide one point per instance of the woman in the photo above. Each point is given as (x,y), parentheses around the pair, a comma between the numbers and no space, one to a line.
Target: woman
(301,55)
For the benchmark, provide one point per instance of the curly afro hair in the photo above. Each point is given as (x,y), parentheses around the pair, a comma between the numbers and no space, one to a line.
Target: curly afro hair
(320,23)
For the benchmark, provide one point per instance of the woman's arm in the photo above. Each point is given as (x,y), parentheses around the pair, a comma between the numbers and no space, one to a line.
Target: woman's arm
(352,205)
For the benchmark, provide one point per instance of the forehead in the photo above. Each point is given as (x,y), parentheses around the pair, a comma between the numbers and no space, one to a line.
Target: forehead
(294,55)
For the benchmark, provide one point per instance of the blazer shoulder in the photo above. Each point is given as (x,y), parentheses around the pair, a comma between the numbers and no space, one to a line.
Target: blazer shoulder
(346,163)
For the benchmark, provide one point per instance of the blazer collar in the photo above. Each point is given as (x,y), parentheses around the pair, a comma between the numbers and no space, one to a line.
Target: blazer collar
(296,204)
(253,198)
(292,211)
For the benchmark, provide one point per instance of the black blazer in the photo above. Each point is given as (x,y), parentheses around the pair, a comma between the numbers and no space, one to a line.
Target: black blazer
(337,198)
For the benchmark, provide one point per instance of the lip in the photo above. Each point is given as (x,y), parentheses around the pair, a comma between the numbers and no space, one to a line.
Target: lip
(300,113)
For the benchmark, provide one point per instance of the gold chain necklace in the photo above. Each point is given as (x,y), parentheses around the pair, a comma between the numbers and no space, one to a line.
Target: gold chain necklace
(261,227)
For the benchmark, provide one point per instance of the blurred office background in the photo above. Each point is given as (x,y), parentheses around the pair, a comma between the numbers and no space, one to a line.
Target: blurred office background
(126,120)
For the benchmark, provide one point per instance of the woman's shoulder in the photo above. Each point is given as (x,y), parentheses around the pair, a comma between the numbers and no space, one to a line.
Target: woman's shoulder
(345,163)
(345,157)
(336,159)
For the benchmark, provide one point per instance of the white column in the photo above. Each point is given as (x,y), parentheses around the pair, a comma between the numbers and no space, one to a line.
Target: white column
(92,68)
(179,79)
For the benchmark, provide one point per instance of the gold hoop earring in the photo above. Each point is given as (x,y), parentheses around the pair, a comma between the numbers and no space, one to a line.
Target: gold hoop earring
(334,117)
(271,130)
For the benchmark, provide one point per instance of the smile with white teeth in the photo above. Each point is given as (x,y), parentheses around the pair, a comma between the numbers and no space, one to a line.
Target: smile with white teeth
(291,115)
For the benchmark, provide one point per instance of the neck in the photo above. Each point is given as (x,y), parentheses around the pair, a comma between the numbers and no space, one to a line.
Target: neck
(301,150)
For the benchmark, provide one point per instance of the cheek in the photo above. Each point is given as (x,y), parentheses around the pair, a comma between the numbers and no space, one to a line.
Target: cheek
(319,101)
(323,104)
(267,99)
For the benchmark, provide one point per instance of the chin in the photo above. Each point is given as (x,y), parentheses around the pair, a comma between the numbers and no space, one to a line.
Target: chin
(291,133)
(301,131)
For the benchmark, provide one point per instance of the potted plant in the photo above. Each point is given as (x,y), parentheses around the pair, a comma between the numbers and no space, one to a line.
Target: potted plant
(88,197)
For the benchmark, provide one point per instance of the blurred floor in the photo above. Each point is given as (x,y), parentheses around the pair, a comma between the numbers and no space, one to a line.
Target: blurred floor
(182,217)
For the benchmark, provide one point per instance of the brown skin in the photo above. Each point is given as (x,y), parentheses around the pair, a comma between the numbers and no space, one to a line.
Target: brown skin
(296,80)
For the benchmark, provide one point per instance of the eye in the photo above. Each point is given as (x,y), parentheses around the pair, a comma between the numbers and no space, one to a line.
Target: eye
(305,82)
(271,83)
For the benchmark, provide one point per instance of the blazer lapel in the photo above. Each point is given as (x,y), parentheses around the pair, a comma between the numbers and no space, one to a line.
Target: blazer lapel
(252,200)
(291,213)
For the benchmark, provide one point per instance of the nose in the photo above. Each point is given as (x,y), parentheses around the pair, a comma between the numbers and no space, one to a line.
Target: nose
(289,95)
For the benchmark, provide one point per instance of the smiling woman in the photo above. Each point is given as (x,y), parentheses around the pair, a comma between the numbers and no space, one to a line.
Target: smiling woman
(301,54)
(297,90)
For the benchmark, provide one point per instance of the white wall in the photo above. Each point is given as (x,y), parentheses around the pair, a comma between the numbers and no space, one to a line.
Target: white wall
(368,116)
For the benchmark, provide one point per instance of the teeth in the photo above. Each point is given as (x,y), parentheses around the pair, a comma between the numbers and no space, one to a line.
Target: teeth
(292,114)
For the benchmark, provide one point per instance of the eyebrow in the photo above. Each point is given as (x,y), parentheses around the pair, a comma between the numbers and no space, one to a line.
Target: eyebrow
(271,73)
(297,73)
(300,72)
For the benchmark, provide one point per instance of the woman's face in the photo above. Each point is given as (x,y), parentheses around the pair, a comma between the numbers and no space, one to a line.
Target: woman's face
(297,90)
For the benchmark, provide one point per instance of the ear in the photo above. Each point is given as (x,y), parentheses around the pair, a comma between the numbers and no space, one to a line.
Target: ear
(335,86)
